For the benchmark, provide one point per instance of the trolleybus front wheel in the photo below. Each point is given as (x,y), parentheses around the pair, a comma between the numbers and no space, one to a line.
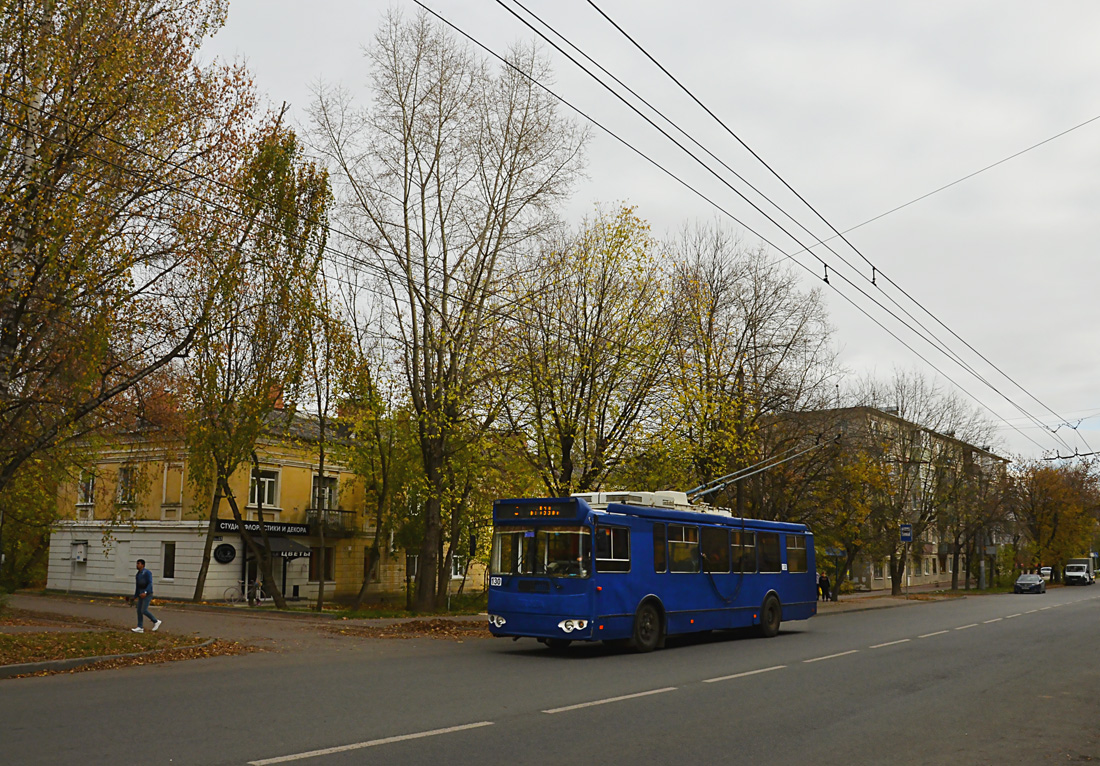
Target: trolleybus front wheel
(557,644)
(770,615)
(647,628)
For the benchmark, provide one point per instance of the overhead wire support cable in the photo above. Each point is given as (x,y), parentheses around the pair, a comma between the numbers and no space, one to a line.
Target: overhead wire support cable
(722,210)
(837,232)
(928,336)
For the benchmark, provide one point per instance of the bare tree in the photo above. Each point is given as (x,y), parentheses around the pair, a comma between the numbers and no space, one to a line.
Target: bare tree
(453,168)
(753,343)
(921,452)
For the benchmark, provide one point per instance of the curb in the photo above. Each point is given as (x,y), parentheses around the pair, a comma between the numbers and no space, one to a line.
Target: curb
(7,671)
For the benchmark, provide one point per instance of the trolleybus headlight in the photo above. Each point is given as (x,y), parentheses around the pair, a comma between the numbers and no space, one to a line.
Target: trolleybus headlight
(570,625)
(496,621)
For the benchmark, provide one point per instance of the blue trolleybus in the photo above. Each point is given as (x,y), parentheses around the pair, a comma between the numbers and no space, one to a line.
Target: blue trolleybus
(637,567)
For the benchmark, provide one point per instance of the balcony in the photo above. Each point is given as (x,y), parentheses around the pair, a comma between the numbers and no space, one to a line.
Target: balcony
(337,523)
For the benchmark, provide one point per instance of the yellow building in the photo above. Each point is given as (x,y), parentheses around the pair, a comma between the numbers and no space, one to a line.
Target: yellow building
(135,501)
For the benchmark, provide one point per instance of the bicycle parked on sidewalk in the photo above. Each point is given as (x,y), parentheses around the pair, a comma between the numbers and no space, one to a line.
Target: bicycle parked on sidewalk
(235,594)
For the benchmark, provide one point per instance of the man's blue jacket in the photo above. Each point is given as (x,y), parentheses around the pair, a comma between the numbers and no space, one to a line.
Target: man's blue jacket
(144,583)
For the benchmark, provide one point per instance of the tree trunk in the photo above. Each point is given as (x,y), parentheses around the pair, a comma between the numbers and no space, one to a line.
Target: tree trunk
(955,563)
(432,449)
(897,569)
(262,557)
(211,530)
(322,503)
(842,574)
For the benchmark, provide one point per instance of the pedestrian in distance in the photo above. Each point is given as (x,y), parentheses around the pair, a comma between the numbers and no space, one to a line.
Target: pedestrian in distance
(823,586)
(143,595)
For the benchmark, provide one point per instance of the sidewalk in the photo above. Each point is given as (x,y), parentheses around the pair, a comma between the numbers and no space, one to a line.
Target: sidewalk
(881,599)
(263,628)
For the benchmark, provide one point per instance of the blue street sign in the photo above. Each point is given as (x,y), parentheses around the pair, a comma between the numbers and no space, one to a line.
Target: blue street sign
(907,533)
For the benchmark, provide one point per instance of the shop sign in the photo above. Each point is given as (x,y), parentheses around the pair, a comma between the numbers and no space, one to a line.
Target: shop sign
(273,527)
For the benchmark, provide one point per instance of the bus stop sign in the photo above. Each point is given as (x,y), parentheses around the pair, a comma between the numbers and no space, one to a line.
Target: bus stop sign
(907,533)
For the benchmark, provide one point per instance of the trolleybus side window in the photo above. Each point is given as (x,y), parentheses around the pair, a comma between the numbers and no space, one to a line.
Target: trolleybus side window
(612,549)
(683,548)
(660,559)
(769,552)
(716,549)
(796,553)
(744,551)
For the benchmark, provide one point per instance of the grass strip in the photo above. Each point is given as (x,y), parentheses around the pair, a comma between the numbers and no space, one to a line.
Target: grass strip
(19,648)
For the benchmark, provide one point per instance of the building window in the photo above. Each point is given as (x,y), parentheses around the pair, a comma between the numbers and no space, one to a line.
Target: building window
(314,563)
(127,485)
(324,492)
(879,571)
(85,489)
(168,567)
(796,553)
(927,566)
(85,495)
(612,549)
(458,567)
(411,561)
(265,487)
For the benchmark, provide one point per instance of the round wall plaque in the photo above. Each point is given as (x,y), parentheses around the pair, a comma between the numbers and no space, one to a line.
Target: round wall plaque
(225,553)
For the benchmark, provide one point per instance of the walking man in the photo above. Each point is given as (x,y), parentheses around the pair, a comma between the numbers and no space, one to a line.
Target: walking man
(143,594)
(823,586)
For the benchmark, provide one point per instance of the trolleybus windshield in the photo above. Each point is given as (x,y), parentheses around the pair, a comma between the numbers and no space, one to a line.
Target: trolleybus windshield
(544,551)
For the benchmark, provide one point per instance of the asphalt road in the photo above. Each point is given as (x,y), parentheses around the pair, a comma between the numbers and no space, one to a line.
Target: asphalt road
(990,680)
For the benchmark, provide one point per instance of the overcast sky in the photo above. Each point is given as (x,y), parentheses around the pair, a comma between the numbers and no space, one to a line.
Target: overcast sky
(861,107)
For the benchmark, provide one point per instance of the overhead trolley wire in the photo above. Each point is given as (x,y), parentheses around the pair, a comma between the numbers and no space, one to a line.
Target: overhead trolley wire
(352,259)
(929,336)
(721,209)
(839,234)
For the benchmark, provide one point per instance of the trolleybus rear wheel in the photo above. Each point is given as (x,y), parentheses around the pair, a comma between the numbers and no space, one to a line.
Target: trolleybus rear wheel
(558,644)
(647,628)
(770,615)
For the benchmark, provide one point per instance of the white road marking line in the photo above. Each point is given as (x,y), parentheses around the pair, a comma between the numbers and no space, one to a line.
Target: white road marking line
(610,699)
(371,743)
(889,643)
(995,619)
(937,633)
(832,656)
(1031,611)
(1013,615)
(1045,608)
(964,627)
(742,675)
